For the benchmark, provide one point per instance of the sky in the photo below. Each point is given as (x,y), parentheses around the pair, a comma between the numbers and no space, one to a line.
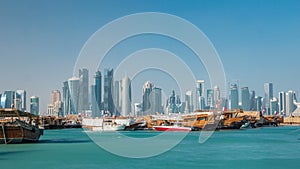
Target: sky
(257,41)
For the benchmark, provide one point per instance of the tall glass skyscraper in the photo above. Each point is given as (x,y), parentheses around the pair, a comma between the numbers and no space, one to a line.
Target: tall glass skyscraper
(258,103)
(273,106)
(34,105)
(282,102)
(20,100)
(108,104)
(156,102)
(125,96)
(7,99)
(117,96)
(171,104)
(98,89)
(268,88)
(200,101)
(252,100)
(95,108)
(245,98)
(234,97)
(147,89)
(210,98)
(74,88)
(66,99)
(290,106)
(83,90)
(217,95)
(189,107)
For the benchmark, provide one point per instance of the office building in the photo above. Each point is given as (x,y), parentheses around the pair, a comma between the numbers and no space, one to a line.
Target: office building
(20,100)
(290,99)
(200,101)
(97,91)
(274,106)
(108,103)
(210,99)
(125,96)
(156,101)
(66,99)
(268,89)
(245,98)
(34,105)
(234,97)
(118,96)
(189,107)
(83,102)
(74,88)
(7,99)
(147,89)
(252,100)
(282,102)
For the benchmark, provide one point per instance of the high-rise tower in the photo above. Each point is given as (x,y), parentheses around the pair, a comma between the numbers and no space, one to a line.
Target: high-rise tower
(125,96)
(268,88)
(83,90)
(108,103)
(74,89)
(234,97)
(200,101)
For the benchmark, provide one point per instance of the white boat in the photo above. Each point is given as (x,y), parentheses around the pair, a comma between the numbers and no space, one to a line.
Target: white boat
(107,124)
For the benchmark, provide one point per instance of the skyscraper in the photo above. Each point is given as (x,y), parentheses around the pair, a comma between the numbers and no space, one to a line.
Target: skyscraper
(258,103)
(171,103)
(83,90)
(126,96)
(66,99)
(74,88)
(245,98)
(290,106)
(95,107)
(98,90)
(234,97)
(34,105)
(108,105)
(273,106)
(217,95)
(282,102)
(189,102)
(200,102)
(7,99)
(20,96)
(118,96)
(268,88)
(252,100)
(147,89)
(210,99)
(155,101)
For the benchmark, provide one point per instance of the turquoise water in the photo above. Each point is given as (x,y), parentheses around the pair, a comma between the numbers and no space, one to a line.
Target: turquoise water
(256,148)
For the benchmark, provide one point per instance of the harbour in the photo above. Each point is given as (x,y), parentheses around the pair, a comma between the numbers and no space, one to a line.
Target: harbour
(72,148)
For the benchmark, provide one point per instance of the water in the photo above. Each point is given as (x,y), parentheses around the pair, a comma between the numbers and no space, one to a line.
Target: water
(256,148)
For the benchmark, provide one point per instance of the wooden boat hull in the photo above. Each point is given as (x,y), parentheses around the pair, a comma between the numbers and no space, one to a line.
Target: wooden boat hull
(19,134)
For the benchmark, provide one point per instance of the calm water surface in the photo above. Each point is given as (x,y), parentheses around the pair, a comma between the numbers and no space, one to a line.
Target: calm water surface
(256,148)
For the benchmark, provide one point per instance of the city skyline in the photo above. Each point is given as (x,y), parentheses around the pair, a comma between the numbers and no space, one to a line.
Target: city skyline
(257,42)
(118,101)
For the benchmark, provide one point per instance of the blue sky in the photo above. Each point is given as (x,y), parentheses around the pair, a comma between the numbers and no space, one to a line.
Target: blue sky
(257,41)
